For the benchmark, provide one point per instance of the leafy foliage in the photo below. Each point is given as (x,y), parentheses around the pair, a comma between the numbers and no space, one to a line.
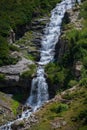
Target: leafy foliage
(29,73)
(60,108)
(15,13)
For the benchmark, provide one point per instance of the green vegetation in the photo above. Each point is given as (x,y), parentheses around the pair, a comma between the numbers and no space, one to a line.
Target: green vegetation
(29,73)
(60,108)
(14,106)
(83,128)
(72,83)
(5,57)
(74,114)
(2,77)
(13,48)
(16,13)
(70,106)
(62,73)
(10,107)
(55,73)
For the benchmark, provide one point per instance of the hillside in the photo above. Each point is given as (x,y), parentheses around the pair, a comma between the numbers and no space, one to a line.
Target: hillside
(66,75)
(15,15)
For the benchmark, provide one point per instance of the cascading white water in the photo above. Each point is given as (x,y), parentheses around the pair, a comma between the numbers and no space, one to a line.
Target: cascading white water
(39,89)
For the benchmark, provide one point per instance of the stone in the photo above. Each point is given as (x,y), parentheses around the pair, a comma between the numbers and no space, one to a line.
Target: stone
(64,123)
(77,68)
(11,38)
(19,68)
(15,54)
(56,125)
(18,125)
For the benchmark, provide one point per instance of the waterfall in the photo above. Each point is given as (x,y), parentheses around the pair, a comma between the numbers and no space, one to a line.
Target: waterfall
(39,89)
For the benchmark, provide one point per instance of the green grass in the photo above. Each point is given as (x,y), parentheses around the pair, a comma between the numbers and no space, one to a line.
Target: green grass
(29,73)
(83,128)
(14,106)
(74,113)
(11,103)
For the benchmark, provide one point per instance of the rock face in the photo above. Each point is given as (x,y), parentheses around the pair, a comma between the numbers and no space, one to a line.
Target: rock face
(12,77)
(20,67)
(61,48)
(30,43)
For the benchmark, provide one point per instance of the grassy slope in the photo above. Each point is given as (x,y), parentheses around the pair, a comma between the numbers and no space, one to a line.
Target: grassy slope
(75,114)
(8,108)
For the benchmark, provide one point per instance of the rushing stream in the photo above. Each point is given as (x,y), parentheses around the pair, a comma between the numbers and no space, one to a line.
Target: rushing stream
(39,89)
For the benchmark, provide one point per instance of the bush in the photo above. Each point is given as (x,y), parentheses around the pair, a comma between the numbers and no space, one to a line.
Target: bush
(60,108)
(29,72)
(55,73)
(83,12)
(72,83)
(82,116)
(13,47)
(85,61)
(2,77)
(83,82)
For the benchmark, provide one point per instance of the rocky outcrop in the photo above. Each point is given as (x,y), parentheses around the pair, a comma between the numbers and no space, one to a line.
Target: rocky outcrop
(12,77)
(61,48)
(72,18)
(11,38)
(25,124)
(30,43)
(19,68)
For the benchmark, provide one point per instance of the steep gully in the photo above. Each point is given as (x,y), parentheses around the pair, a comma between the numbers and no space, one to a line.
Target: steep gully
(39,89)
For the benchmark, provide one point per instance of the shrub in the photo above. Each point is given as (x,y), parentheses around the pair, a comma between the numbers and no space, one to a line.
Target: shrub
(2,77)
(29,72)
(85,61)
(60,108)
(13,47)
(83,82)
(82,116)
(72,83)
